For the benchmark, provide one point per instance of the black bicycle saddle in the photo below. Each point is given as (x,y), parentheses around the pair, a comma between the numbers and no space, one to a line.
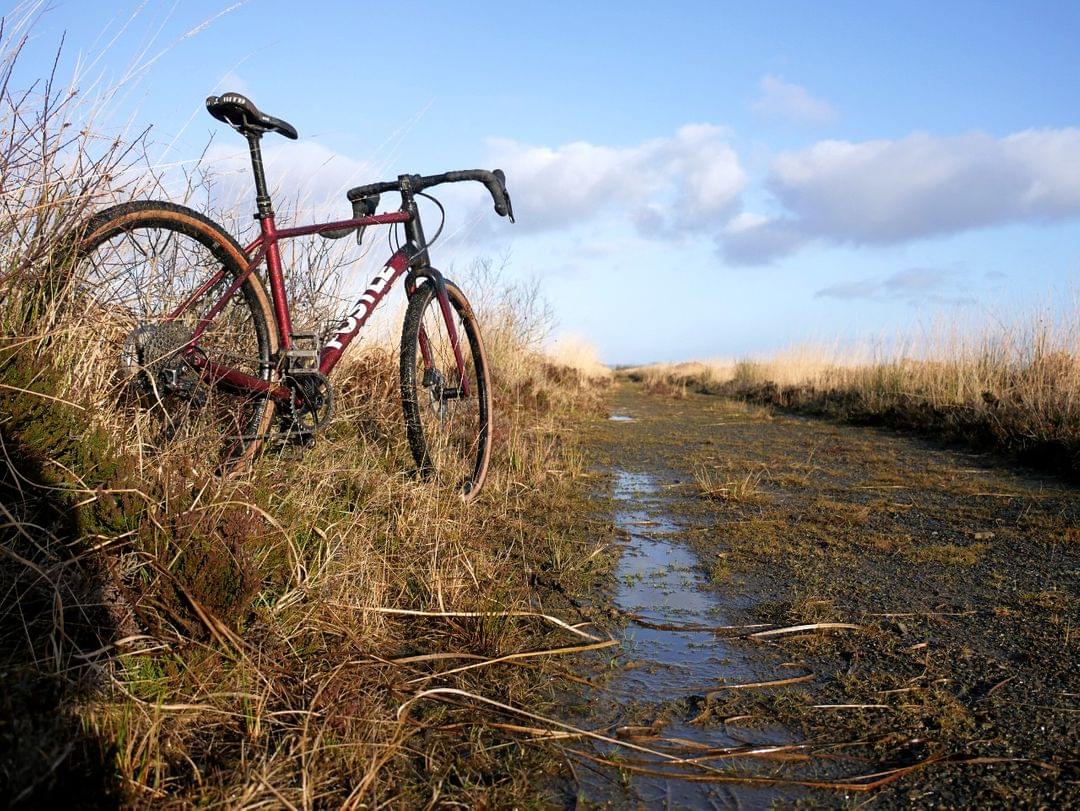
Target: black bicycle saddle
(240,113)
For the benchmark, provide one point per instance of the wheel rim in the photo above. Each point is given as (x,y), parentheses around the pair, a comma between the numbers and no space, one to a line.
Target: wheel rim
(134,279)
(453,424)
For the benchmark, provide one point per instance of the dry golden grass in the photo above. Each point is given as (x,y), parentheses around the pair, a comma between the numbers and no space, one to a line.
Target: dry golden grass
(574,352)
(674,379)
(721,483)
(170,637)
(1012,386)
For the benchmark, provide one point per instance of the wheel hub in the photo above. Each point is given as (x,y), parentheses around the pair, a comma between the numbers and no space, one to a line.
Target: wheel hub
(435,383)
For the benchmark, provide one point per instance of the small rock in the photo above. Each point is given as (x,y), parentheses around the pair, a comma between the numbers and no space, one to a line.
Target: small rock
(983,536)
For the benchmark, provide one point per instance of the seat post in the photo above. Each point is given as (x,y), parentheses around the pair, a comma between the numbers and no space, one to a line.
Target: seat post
(262,196)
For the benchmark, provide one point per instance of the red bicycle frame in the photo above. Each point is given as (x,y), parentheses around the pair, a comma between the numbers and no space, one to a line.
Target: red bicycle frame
(266,247)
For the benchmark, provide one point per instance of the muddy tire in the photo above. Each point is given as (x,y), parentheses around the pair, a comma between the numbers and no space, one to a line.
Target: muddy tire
(449,431)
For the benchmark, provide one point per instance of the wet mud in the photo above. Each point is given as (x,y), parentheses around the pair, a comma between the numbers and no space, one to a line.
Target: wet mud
(915,609)
(670,657)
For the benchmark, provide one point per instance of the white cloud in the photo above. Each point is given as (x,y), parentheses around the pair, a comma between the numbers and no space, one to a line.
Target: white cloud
(305,177)
(860,288)
(914,285)
(744,221)
(881,192)
(754,239)
(232,83)
(791,102)
(684,182)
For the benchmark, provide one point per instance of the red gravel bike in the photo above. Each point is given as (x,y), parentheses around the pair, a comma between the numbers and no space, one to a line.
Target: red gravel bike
(211,357)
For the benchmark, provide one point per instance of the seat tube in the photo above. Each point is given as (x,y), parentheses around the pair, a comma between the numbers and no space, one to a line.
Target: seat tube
(265,216)
(277,281)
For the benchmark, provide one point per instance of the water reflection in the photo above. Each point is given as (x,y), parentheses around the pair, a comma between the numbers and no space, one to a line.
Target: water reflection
(663,675)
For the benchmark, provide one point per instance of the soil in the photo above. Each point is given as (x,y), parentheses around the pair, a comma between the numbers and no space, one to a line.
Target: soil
(958,684)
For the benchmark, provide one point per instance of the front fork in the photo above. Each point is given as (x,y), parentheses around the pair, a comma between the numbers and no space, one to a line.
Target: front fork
(436,278)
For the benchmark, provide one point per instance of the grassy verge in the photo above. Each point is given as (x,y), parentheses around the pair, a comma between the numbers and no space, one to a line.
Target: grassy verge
(318,632)
(1015,390)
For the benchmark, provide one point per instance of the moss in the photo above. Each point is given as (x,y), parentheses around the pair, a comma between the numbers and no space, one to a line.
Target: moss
(48,431)
(51,459)
(223,558)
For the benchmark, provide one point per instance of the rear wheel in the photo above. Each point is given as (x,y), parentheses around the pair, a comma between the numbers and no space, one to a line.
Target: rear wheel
(137,265)
(447,418)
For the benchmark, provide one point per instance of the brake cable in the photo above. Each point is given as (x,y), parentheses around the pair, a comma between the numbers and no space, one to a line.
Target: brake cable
(391,234)
(442,221)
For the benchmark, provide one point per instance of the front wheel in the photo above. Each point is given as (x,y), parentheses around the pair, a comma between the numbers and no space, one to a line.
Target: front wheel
(447,414)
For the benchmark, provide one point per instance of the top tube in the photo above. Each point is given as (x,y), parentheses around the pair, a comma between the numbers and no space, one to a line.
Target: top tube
(389,218)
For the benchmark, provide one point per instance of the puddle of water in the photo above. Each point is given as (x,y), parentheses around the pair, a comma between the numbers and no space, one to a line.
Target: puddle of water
(621,418)
(659,579)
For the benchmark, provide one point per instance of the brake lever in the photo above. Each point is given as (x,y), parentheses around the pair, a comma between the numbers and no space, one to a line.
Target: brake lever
(369,205)
(501,177)
(509,205)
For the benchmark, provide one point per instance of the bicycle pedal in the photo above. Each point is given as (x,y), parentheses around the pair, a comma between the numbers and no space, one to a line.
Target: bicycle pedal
(304,356)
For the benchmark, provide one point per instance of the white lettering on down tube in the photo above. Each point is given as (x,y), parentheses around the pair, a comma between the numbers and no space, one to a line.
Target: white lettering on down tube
(374,292)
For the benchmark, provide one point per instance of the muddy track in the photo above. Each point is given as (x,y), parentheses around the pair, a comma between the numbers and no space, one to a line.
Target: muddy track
(958,684)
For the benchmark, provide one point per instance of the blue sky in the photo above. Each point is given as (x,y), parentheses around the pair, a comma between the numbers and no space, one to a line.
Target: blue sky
(692,179)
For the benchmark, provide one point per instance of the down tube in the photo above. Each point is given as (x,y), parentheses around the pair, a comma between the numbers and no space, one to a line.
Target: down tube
(354,322)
